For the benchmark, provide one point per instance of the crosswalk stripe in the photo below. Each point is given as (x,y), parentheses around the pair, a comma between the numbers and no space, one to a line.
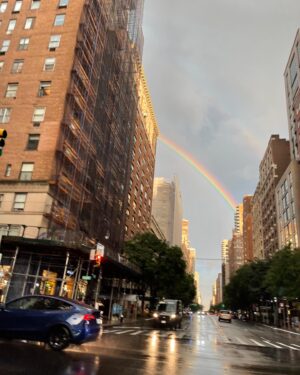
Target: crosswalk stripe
(240,341)
(122,332)
(270,343)
(136,333)
(256,342)
(298,346)
(288,346)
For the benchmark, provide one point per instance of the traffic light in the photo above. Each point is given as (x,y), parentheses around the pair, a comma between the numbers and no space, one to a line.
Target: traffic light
(98,259)
(3,134)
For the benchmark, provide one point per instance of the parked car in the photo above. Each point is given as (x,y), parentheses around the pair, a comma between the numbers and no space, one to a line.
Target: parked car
(168,313)
(54,320)
(225,315)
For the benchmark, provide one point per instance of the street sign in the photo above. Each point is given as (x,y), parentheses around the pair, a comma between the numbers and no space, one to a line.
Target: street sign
(86,277)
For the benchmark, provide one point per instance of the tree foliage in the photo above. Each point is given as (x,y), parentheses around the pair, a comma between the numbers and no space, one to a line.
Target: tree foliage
(163,267)
(247,285)
(265,279)
(283,277)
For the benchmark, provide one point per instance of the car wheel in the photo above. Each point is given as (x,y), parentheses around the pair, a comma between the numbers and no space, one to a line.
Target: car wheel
(229,321)
(179,325)
(219,319)
(59,338)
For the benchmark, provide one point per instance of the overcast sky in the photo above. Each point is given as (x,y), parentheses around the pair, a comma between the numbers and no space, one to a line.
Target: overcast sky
(215,73)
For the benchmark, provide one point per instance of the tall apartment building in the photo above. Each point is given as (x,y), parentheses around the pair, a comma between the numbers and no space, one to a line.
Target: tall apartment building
(185,245)
(138,213)
(69,103)
(197,284)
(288,188)
(248,228)
(236,252)
(273,165)
(258,244)
(288,206)
(167,209)
(225,262)
(292,90)
(238,218)
(69,77)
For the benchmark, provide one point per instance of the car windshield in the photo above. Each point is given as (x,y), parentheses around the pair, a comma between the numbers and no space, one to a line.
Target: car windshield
(167,307)
(225,312)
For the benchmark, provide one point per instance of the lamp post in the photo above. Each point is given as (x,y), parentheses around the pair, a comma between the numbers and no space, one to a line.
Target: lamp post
(275,311)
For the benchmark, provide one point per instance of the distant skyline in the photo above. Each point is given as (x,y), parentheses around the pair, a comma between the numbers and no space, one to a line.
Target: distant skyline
(215,73)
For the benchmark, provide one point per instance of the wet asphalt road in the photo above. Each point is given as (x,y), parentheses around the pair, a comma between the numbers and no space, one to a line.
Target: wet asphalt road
(203,346)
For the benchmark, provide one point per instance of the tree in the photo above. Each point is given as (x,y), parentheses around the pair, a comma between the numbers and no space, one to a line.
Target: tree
(283,276)
(163,267)
(247,285)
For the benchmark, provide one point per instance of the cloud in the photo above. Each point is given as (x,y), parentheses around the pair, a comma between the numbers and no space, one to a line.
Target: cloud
(215,72)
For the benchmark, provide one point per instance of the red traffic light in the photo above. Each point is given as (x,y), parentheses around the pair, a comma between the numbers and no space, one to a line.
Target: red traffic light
(98,259)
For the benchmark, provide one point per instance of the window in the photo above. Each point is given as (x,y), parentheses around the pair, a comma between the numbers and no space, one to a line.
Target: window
(293,74)
(33,141)
(19,202)
(1,199)
(11,26)
(4,115)
(3,6)
(23,44)
(29,23)
(26,171)
(63,3)
(49,64)
(44,88)
(7,170)
(11,91)
(59,20)
(17,66)
(39,114)
(54,42)
(18,6)
(1,65)
(4,47)
(35,4)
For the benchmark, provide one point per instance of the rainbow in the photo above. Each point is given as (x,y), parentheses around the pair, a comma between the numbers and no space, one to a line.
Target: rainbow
(201,169)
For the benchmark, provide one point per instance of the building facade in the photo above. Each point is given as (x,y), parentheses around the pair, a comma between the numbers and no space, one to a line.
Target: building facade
(138,212)
(248,228)
(69,77)
(288,206)
(68,83)
(167,209)
(275,161)
(258,245)
(292,90)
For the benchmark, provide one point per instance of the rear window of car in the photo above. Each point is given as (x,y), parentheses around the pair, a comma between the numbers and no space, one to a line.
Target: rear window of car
(225,312)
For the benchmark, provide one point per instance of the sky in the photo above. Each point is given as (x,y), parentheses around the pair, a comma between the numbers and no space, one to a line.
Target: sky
(215,73)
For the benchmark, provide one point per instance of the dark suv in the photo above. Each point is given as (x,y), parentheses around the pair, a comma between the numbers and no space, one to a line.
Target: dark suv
(168,313)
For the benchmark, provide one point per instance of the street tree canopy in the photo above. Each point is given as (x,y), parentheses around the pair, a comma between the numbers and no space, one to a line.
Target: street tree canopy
(163,267)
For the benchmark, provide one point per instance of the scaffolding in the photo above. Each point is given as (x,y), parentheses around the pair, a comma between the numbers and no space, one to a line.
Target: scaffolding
(94,150)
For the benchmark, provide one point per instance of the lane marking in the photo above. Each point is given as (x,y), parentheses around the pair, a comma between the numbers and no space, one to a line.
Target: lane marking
(270,343)
(136,333)
(283,330)
(256,342)
(240,341)
(288,346)
(122,332)
(298,346)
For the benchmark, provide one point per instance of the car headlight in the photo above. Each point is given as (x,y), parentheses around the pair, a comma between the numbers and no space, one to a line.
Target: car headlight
(173,316)
(155,315)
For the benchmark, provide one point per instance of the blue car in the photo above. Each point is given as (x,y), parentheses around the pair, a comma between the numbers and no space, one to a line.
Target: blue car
(54,320)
